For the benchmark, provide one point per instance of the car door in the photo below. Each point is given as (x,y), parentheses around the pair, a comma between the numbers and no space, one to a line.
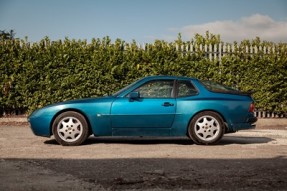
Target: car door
(151,113)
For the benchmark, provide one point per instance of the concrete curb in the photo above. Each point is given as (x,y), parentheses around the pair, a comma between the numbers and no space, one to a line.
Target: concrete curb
(271,122)
(13,119)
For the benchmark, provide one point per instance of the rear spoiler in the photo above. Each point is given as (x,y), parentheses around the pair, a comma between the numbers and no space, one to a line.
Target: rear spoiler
(247,93)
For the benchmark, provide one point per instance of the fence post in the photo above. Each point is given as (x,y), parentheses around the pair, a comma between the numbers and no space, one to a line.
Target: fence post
(220,52)
(200,47)
(191,48)
(210,52)
(214,51)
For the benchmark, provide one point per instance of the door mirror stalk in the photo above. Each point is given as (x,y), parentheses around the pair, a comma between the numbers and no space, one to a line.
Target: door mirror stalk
(134,96)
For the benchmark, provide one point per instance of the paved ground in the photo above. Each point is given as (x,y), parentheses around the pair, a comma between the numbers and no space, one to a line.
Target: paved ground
(246,160)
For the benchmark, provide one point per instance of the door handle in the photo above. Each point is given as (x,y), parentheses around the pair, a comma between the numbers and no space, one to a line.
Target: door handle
(167,104)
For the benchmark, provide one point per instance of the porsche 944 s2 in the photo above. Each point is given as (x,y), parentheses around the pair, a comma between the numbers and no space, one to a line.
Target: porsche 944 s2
(153,106)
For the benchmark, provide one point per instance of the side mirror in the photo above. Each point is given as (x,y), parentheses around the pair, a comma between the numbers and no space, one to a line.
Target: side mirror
(134,95)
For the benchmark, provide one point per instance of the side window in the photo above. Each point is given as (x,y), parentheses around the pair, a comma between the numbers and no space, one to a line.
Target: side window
(186,88)
(156,89)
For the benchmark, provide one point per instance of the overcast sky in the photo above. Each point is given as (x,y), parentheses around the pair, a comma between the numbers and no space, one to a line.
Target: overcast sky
(145,20)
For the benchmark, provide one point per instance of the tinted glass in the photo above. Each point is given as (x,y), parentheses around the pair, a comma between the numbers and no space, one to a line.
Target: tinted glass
(156,89)
(186,88)
(125,88)
(215,87)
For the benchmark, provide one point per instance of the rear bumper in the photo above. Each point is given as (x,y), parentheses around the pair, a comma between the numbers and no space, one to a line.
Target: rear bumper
(251,120)
(249,124)
(242,126)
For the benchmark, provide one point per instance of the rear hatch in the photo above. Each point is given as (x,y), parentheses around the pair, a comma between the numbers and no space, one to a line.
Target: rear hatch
(219,88)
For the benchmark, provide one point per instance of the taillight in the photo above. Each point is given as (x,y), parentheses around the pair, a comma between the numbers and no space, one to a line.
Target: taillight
(251,108)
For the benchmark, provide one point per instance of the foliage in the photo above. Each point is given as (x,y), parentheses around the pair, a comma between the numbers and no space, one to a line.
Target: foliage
(4,35)
(33,75)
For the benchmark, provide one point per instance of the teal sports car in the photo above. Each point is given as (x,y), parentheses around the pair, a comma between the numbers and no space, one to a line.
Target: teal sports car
(152,106)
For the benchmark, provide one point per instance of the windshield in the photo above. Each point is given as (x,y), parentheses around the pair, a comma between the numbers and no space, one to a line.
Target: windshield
(125,88)
(215,87)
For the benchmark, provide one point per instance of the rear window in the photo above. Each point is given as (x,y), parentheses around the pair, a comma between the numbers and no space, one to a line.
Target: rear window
(215,87)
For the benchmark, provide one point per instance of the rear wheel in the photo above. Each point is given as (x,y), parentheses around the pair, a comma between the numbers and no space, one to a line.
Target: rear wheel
(70,128)
(206,128)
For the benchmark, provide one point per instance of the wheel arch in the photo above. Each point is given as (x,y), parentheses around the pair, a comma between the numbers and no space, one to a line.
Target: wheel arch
(70,109)
(211,110)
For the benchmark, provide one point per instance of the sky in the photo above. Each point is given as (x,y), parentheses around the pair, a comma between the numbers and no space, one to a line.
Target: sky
(145,20)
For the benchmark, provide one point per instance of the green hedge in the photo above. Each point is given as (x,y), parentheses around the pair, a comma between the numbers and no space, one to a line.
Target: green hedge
(33,75)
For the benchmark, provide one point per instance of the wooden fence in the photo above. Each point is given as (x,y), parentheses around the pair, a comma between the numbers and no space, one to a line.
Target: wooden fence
(266,114)
(217,51)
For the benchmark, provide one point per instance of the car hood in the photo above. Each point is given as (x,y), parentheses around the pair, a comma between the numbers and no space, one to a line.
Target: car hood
(55,107)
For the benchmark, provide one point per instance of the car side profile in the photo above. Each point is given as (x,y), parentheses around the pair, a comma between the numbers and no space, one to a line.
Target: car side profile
(152,106)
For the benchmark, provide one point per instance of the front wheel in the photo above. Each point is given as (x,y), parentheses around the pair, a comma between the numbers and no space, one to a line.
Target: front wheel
(70,128)
(206,128)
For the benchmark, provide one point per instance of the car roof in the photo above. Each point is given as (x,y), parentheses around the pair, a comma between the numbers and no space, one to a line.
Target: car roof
(168,77)
(150,78)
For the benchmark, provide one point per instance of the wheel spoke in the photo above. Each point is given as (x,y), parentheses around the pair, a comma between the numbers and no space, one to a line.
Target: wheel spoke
(200,130)
(78,130)
(211,122)
(209,134)
(205,121)
(214,128)
(63,130)
(73,135)
(66,135)
(64,124)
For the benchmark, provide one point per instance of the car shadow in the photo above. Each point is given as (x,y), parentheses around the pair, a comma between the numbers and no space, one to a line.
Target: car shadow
(131,140)
(140,140)
(243,140)
(226,140)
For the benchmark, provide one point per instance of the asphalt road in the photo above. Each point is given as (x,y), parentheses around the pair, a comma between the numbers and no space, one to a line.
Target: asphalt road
(246,160)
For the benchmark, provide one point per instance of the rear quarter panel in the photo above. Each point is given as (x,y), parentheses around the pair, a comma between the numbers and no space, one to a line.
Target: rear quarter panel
(232,108)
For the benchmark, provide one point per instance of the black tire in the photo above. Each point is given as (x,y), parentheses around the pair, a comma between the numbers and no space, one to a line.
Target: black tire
(70,128)
(206,128)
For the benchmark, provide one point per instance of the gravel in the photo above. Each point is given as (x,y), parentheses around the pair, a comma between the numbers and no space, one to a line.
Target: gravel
(246,160)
